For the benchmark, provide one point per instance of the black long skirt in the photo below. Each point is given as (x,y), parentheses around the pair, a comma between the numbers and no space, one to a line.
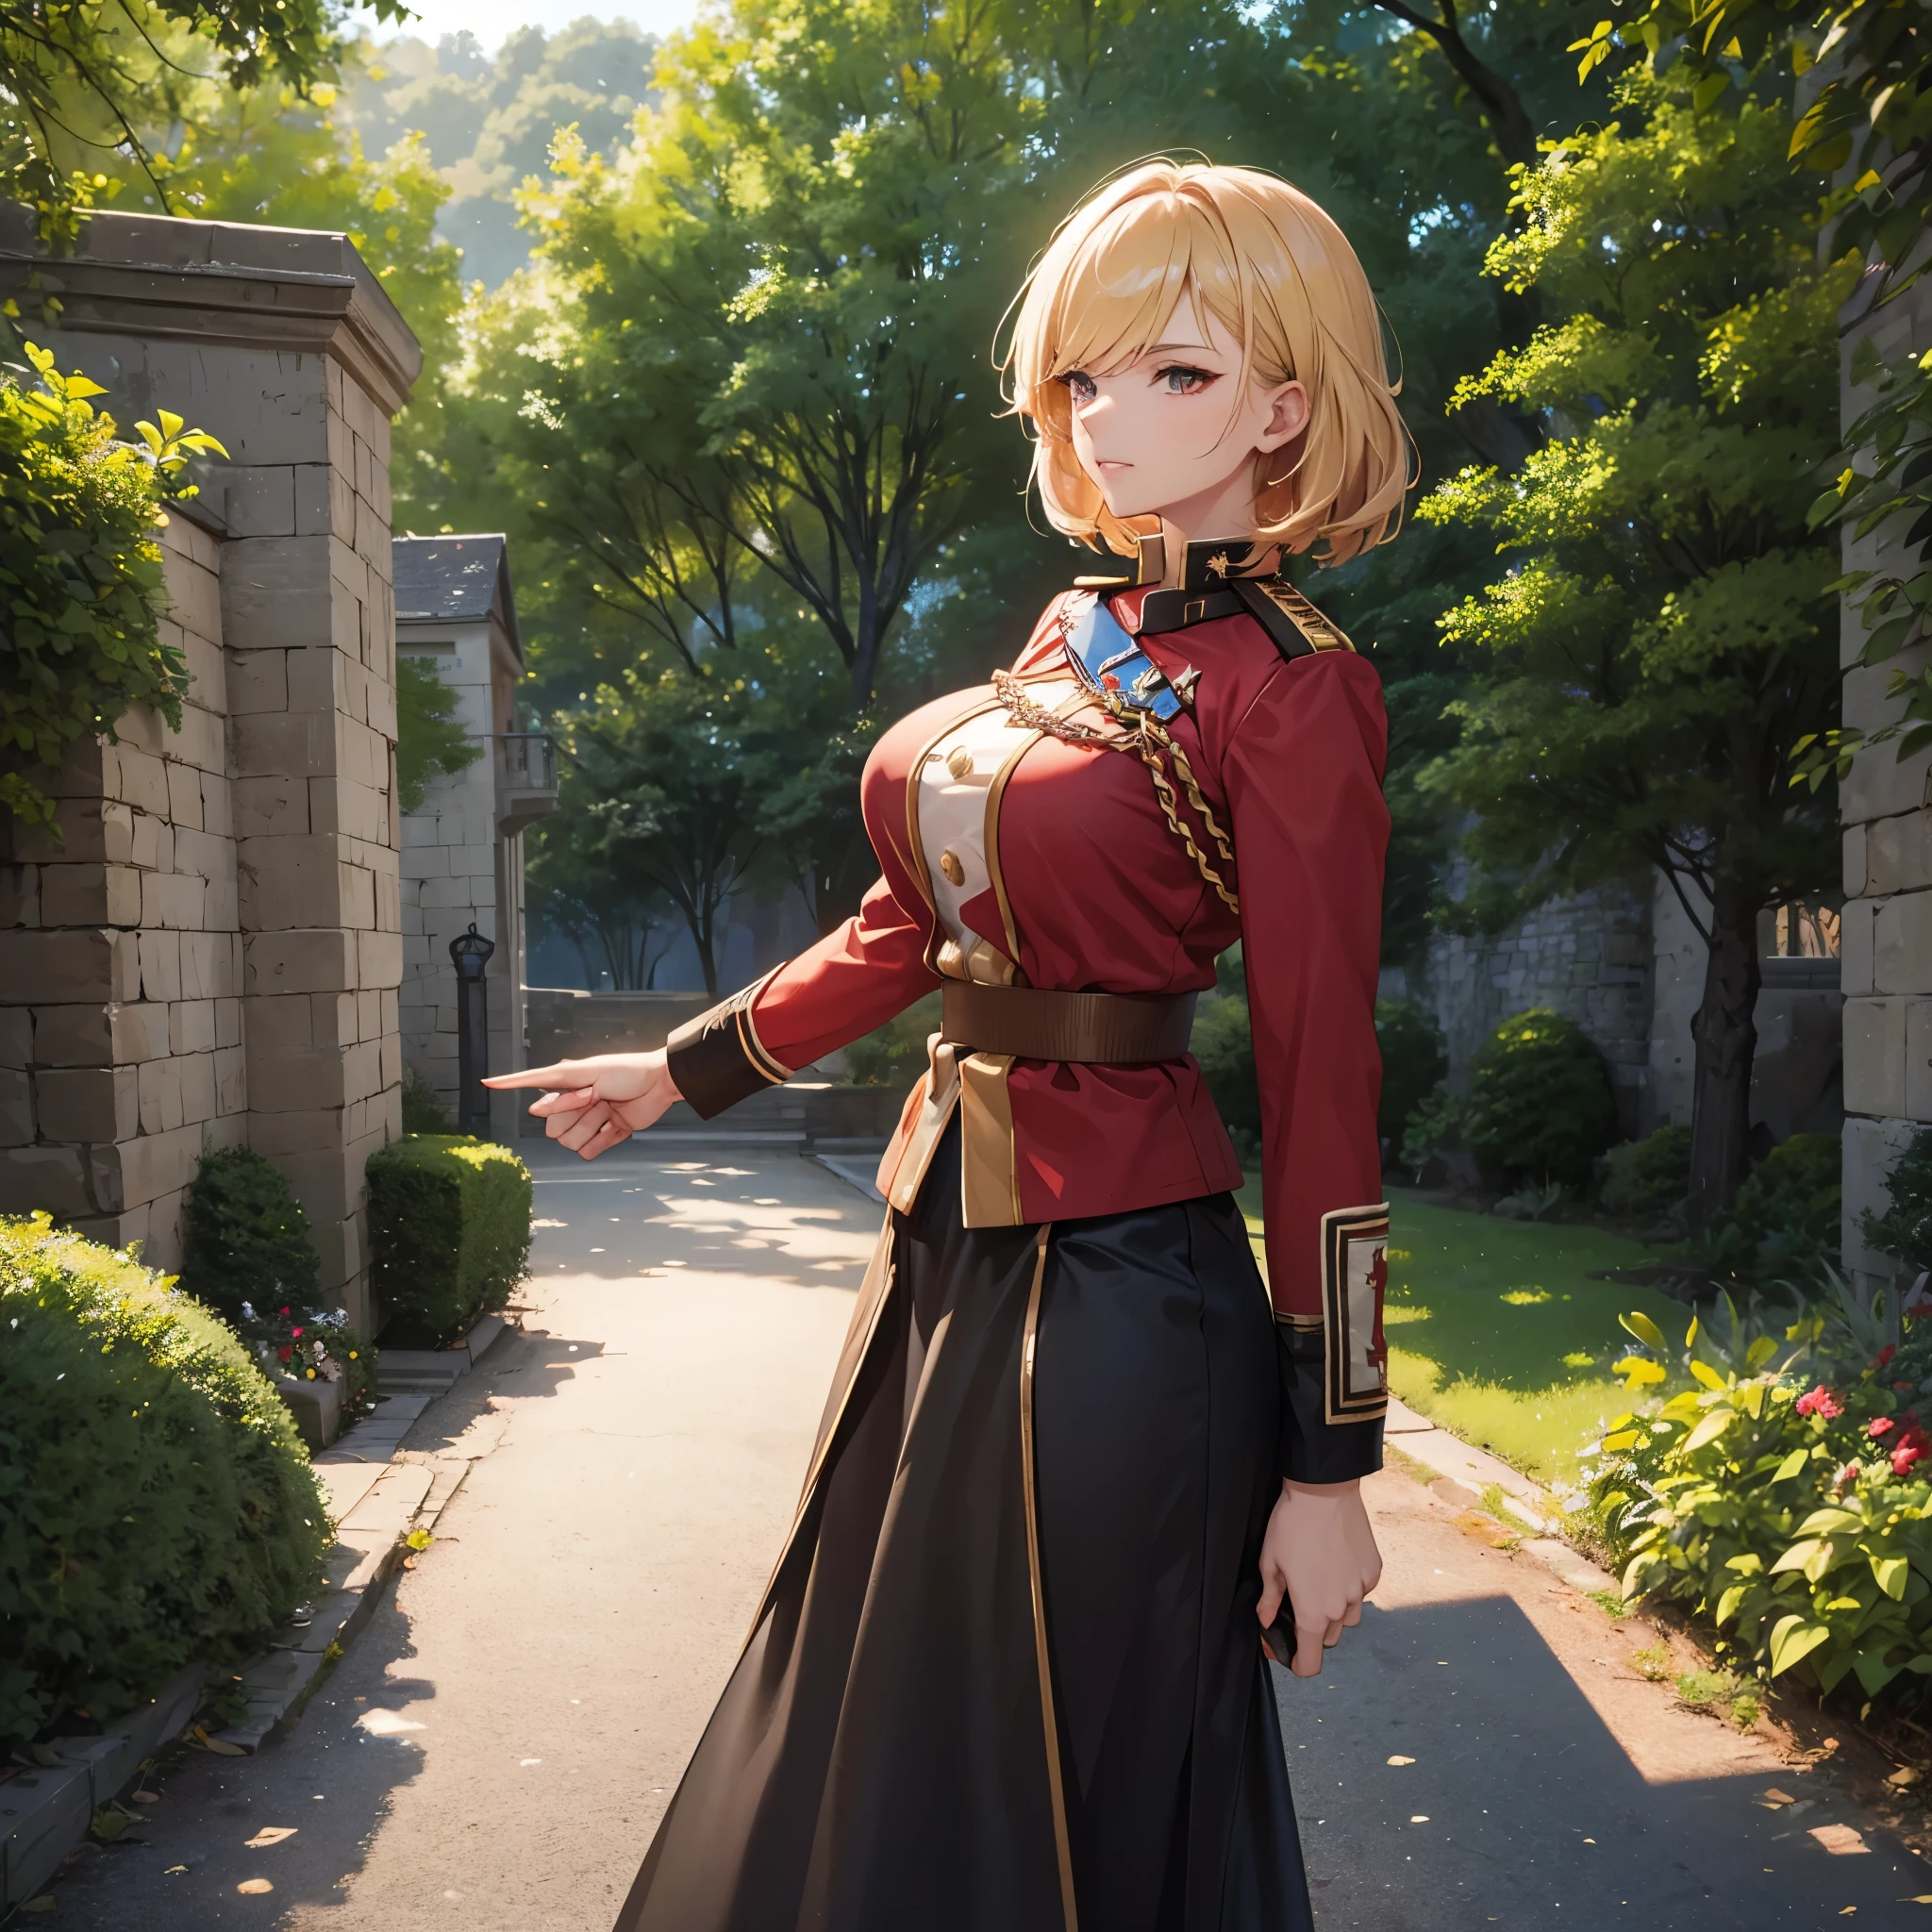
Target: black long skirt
(1007,1677)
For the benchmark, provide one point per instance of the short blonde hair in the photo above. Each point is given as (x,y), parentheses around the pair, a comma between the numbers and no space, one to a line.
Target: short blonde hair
(1280,276)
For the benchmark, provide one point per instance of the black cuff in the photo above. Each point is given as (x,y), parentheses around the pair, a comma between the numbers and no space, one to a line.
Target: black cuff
(717,1059)
(1313,1449)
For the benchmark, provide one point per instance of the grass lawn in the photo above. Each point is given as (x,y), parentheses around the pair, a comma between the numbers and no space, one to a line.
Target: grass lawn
(1496,1332)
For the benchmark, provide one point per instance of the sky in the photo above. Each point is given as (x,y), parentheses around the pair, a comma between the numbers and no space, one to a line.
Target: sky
(493,20)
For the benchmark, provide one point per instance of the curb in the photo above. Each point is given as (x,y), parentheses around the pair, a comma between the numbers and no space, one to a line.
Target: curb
(378,1501)
(1467,1471)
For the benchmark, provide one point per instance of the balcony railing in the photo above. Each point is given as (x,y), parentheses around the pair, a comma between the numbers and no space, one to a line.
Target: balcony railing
(526,780)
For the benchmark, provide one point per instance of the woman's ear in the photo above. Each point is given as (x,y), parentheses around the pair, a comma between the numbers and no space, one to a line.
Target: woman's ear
(1288,416)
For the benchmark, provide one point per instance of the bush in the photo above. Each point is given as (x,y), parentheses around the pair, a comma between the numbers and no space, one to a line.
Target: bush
(1785,1221)
(156,1504)
(1645,1179)
(422,1110)
(1222,1043)
(449,1220)
(246,1237)
(894,1055)
(1413,1064)
(1434,1127)
(1540,1101)
(1906,1227)
(1789,1508)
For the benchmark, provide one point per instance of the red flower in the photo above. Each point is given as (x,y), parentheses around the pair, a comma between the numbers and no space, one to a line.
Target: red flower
(1845,1478)
(297,1333)
(1822,1404)
(1885,1353)
(284,1352)
(1881,1425)
(1904,1456)
(1902,1388)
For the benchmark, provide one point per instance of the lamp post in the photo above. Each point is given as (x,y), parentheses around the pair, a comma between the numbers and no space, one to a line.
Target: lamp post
(470,952)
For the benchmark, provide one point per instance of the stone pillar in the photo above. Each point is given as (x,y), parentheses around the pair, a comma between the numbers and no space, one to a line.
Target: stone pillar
(262,840)
(1887,810)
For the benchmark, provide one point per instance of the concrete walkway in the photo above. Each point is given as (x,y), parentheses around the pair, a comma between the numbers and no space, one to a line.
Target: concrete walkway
(496,1750)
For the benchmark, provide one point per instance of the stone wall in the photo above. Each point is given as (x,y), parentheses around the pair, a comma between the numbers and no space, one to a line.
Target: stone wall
(1886,809)
(216,945)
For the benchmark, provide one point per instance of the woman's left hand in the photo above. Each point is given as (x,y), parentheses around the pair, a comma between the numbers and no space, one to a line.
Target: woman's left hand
(1321,1554)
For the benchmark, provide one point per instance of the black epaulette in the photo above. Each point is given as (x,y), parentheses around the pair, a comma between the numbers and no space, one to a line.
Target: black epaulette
(1294,626)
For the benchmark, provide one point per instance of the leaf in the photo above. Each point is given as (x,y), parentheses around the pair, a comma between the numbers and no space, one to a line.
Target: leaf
(418,1538)
(1793,1639)
(1797,1556)
(1646,1330)
(1709,1429)
(271,1835)
(1890,1572)
(1640,1370)
(1727,1604)
(1793,1465)
(1708,1375)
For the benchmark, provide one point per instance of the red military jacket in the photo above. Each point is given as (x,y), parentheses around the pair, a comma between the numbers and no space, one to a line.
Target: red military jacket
(1072,878)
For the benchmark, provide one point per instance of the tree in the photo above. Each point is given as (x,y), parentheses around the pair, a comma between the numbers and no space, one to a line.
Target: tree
(1665,636)
(615,922)
(673,794)
(76,77)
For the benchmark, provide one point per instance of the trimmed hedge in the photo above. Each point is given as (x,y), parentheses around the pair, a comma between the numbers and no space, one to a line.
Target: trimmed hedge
(1540,1101)
(449,1218)
(246,1237)
(156,1503)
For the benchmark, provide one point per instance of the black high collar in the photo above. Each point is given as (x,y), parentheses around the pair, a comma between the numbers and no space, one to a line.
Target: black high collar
(1208,566)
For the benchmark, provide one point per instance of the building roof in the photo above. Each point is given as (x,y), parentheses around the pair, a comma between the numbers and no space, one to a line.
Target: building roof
(454,581)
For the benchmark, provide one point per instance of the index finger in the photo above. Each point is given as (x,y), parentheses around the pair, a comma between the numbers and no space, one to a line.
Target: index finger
(553,1075)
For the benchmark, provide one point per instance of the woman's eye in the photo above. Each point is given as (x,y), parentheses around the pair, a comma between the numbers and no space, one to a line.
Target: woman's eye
(1185,382)
(1080,385)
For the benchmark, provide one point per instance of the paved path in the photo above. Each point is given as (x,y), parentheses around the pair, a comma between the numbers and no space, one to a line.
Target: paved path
(495,1750)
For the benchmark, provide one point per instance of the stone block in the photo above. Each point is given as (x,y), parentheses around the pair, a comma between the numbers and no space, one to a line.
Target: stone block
(50,1179)
(1875,1056)
(1856,945)
(19,895)
(208,670)
(89,894)
(231,1080)
(154,842)
(217,805)
(259,681)
(1901,944)
(184,795)
(192,1027)
(294,1082)
(84,1105)
(97,1035)
(276,593)
(144,1169)
(173,900)
(207,966)
(1898,852)
(284,745)
(160,1096)
(314,492)
(262,501)
(201,855)
(282,1024)
(16,1037)
(321,959)
(197,1075)
(228,1023)
(315,680)
(16,1109)
(202,740)
(379,959)
(272,807)
(50,966)
(293,883)
(143,780)
(160,965)
(88,828)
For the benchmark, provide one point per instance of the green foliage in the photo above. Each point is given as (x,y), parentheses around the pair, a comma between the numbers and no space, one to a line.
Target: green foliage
(80,571)
(1785,1219)
(246,1237)
(1664,636)
(1904,1228)
(1790,1512)
(312,1345)
(1435,1127)
(74,81)
(1539,1100)
(1643,1180)
(1223,1044)
(422,1110)
(156,1504)
(449,1224)
(1413,1062)
(429,742)
(896,1054)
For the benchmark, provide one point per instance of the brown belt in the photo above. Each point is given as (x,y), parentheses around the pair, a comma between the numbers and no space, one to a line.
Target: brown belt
(1033,1024)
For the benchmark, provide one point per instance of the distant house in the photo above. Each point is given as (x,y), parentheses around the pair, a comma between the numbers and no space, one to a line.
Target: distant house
(462,849)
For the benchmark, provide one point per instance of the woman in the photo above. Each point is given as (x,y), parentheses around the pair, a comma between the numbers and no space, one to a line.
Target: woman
(1008,1675)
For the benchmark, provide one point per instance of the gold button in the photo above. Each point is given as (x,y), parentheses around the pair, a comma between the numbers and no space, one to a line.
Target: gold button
(949,864)
(960,762)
